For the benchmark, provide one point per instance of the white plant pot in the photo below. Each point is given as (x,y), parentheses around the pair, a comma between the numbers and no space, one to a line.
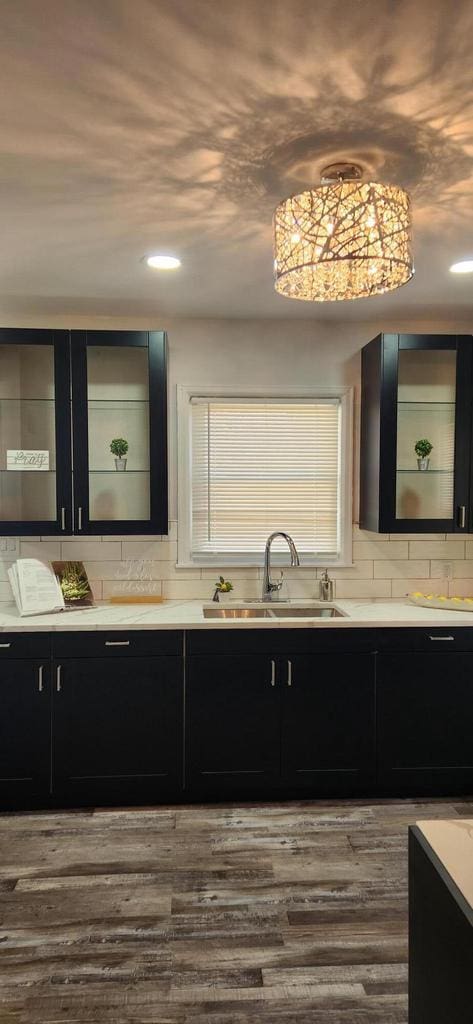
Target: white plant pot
(423,465)
(120,465)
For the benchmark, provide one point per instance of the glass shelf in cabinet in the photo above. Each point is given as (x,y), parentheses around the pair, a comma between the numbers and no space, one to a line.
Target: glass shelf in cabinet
(426,472)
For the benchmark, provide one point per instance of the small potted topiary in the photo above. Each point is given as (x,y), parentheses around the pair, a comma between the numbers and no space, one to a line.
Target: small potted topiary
(423,449)
(223,588)
(119,448)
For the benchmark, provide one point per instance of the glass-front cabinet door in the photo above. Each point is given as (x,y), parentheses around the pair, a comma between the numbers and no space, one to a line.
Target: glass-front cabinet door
(120,445)
(35,437)
(416,433)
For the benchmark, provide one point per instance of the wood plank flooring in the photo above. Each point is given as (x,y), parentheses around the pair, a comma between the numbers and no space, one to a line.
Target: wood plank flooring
(277,913)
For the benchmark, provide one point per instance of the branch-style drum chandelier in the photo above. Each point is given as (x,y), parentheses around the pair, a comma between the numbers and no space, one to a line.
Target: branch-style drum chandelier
(346,239)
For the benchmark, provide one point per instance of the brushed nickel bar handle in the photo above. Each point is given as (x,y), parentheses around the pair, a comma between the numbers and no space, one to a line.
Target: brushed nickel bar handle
(79,518)
(289,673)
(40,678)
(5,645)
(63,518)
(117,643)
(441,637)
(461,516)
(58,679)
(273,673)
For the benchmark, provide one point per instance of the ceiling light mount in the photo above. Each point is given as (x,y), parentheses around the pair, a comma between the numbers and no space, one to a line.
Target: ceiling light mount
(345,239)
(335,173)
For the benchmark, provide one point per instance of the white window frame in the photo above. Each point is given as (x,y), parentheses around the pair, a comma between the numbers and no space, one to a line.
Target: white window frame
(185,394)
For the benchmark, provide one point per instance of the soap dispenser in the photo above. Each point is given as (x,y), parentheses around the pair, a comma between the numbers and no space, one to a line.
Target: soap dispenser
(325,587)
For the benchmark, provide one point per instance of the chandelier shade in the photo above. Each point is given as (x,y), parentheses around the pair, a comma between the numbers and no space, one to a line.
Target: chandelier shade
(344,240)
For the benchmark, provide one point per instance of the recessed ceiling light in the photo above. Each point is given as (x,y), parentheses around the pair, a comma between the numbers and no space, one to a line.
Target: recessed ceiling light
(462,267)
(158,261)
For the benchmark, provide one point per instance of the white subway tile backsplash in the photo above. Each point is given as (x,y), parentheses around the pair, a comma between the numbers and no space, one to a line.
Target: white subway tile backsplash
(362,570)
(157,550)
(461,569)
(381,549)
(437,549)
(91,551)
(402,587)
(402,569)
(49,551)
(420,536)
(367,534)
(362,588)
(459,588)
(385,567)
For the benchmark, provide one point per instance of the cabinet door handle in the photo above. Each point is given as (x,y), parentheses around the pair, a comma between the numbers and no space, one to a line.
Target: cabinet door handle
(441,637)
(5,645)
(289,673)
(63,518)
(273,673)
(79,518)
(117,643)
(40,678)
(58,679)
(461,516)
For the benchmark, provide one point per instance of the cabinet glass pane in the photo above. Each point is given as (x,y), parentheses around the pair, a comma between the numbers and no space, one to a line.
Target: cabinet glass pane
(27,428)
(118,407)
(426,411)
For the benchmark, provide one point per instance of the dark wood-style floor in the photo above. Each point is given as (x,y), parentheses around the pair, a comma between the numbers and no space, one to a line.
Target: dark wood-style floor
(282,914)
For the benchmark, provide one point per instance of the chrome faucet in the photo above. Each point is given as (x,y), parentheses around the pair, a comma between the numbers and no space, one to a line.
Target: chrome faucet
(269,588)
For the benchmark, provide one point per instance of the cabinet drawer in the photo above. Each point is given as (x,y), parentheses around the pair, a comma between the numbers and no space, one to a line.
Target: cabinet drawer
(437,639)
(114,643)
(25,645)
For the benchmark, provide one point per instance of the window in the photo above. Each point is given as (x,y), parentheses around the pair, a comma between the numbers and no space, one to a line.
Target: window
(250,465)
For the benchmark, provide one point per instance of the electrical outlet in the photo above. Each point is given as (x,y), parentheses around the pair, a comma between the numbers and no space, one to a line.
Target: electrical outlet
(9,547)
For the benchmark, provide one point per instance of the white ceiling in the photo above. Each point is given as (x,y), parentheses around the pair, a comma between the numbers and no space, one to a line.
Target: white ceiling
(136,125)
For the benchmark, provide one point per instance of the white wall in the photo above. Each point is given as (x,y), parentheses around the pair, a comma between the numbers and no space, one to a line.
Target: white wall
(268,352)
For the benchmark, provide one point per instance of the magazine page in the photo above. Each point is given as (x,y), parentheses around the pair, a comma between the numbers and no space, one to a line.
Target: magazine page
(75,587)
(38,588)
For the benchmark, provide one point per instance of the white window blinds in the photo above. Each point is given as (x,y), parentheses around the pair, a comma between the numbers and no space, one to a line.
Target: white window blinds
(264,465)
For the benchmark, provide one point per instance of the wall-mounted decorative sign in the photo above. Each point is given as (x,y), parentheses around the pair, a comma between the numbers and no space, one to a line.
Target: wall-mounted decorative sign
(20,458)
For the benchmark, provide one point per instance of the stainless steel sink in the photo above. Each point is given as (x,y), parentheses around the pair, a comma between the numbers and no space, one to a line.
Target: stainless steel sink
(282,611)
(237,613)
(305,612)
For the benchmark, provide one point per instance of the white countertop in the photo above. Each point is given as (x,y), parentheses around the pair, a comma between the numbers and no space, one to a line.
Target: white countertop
(452,841)
(189,615)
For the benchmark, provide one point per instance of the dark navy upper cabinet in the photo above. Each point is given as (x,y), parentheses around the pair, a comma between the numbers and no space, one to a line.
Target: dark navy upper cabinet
(64,398)
(35,432)
(416,391)
(119,394)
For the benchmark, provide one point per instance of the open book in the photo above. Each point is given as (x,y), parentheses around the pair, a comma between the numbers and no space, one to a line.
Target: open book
(40,587)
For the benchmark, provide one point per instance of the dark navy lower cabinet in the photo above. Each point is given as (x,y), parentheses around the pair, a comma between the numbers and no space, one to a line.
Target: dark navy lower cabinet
(24,720)
(266,723)
(232,724)
(425,721)
(328,723)
(117,734)
(440,940)
(117,718)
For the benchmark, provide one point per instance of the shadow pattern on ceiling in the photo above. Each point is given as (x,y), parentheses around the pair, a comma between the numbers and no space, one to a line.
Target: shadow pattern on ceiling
(132,125)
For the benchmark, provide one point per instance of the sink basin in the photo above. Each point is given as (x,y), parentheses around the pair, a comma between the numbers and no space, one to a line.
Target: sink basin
(237,613)
(305,612)
(275,611)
